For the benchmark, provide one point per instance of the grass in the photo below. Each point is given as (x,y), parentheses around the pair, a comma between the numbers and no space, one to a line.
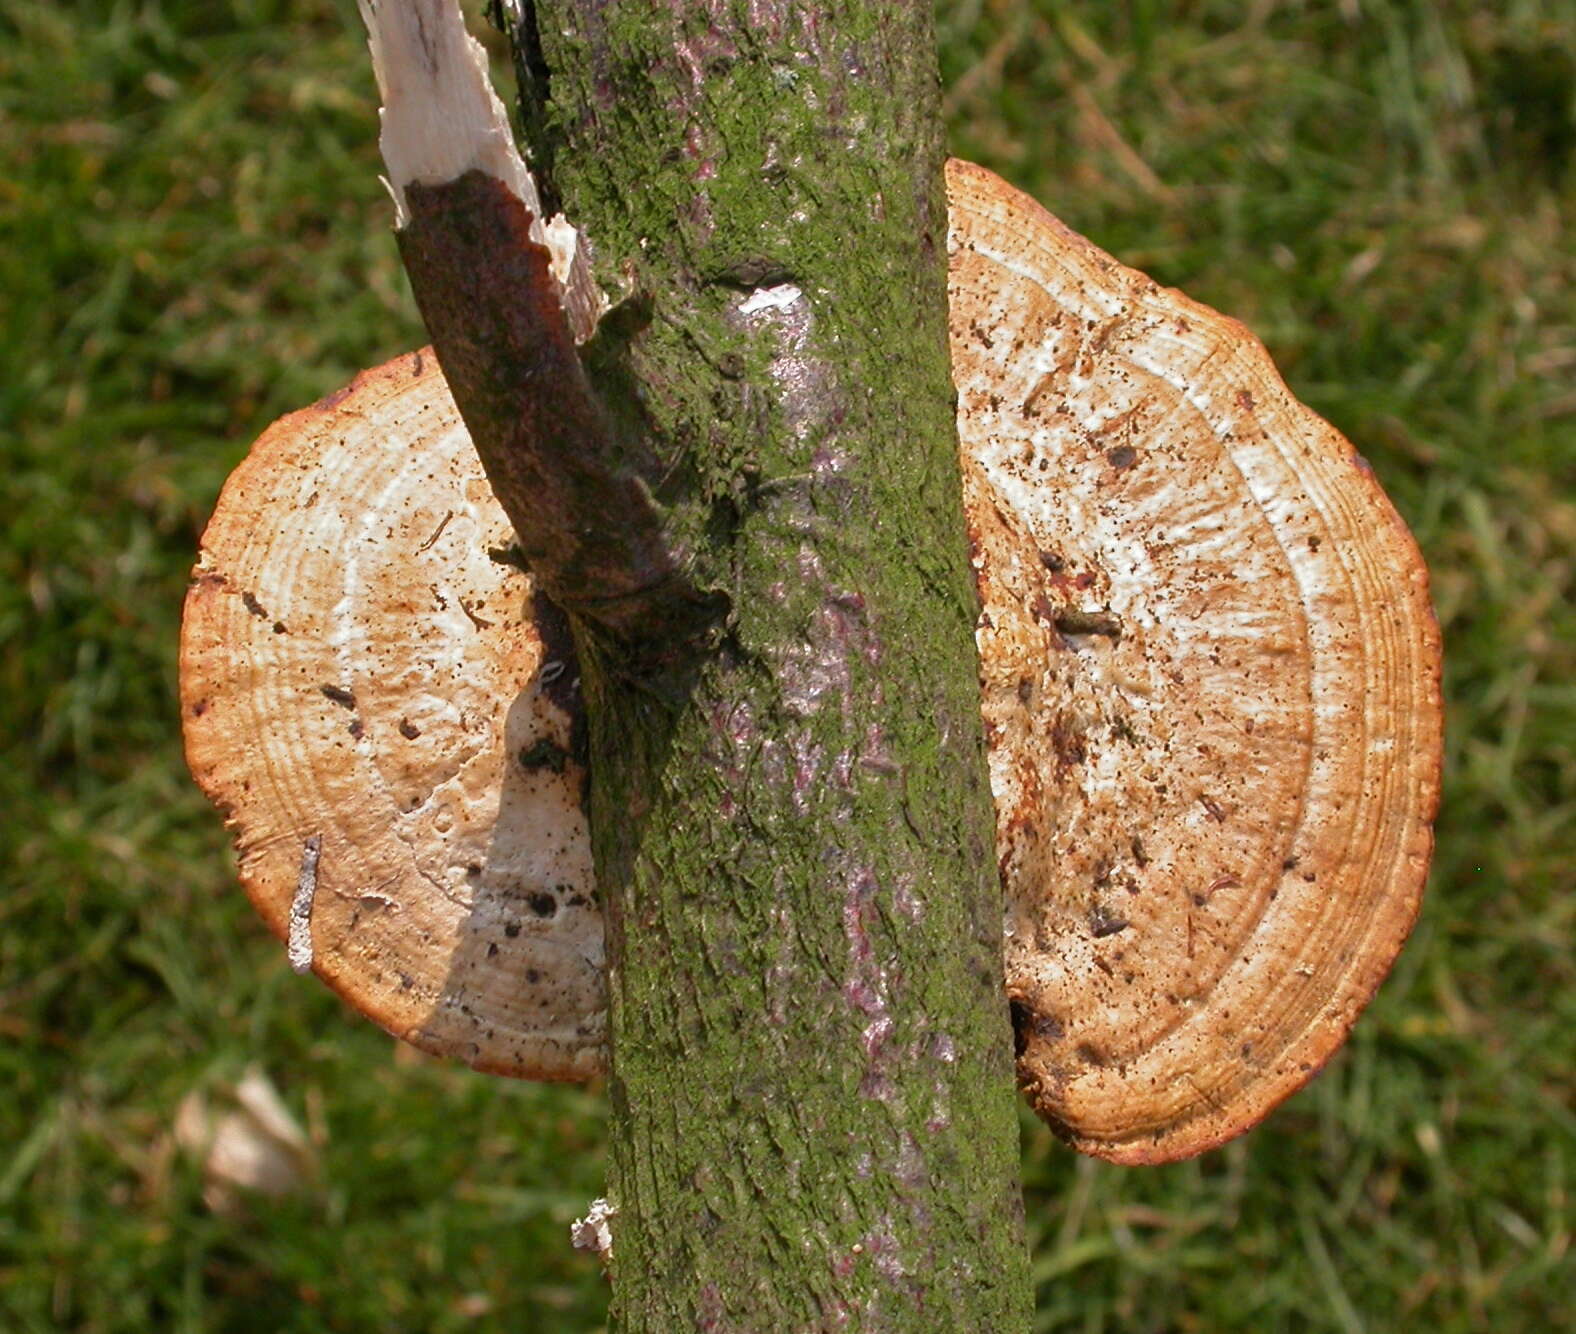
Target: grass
(193,241)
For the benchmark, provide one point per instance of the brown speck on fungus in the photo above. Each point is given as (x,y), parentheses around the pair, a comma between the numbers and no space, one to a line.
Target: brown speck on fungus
(1278,698)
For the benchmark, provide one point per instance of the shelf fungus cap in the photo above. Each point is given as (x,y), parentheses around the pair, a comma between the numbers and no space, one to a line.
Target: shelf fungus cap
(1210,679)
(388,723)
(1210,684)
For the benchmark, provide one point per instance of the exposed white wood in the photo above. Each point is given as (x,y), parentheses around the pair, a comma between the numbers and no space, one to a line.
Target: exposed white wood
(441,118)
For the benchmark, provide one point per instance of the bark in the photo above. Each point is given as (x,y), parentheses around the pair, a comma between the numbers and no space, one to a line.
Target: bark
(574,487)
(812,1089)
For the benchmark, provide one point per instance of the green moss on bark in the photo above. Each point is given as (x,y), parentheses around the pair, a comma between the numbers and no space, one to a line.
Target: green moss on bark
(812,1077)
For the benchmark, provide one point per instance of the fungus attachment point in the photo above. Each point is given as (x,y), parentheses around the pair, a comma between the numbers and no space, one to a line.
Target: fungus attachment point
(1209,672)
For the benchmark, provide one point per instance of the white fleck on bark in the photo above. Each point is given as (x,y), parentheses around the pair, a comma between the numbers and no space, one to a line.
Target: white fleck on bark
(594,1232)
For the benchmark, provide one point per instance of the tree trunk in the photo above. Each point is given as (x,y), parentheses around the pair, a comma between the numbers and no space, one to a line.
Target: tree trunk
(812,1088)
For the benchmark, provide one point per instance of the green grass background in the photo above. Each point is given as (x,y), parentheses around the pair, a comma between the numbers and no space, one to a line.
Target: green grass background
(193,241)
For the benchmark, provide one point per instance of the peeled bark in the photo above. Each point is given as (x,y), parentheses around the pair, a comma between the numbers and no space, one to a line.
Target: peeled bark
(813,1111)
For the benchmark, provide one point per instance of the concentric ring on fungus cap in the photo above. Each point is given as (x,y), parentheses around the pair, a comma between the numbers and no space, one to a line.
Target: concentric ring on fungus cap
(1209,675)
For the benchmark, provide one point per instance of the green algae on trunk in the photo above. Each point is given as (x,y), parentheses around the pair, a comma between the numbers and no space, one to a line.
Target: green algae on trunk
(811,1056)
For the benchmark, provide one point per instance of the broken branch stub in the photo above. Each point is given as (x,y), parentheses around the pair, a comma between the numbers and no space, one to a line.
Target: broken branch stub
(1209,678)
(507,296)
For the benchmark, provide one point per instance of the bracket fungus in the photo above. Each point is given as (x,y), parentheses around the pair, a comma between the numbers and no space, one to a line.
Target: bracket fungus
(1209,672)
(391,739)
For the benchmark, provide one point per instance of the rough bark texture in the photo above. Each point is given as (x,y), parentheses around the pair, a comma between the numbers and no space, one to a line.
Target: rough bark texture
(812,1088)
